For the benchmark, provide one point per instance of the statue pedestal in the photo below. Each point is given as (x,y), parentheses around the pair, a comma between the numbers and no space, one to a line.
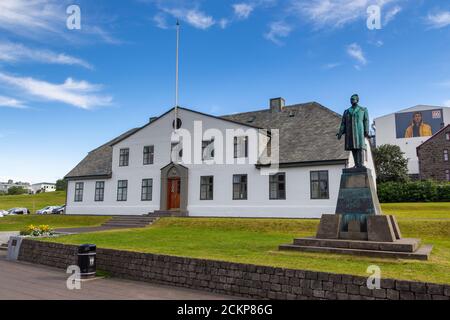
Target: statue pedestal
(358,226)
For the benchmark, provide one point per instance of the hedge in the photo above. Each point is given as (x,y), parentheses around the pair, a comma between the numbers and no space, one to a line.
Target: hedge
(414,191)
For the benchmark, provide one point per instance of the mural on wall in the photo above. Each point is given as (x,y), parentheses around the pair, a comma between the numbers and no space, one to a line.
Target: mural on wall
(418,123)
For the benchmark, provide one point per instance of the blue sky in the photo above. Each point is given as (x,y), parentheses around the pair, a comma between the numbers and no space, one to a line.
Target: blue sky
(64,92)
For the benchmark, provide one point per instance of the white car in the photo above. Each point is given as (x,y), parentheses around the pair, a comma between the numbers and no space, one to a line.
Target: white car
(46,210)
(18,211)
(3,213)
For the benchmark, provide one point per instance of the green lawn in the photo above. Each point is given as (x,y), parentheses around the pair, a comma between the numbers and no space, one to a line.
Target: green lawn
(33,201)
(20,222)
(256,241)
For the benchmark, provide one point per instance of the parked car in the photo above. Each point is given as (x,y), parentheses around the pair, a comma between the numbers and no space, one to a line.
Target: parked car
(3,213)
(18,211)
(46,210)
(59,210)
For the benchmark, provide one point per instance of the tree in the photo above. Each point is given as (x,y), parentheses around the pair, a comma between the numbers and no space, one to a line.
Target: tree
(16,190)
(61,185)
(390,163)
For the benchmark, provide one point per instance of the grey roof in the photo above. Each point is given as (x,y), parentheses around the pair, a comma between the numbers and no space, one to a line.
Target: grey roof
(307,136)
(98,162)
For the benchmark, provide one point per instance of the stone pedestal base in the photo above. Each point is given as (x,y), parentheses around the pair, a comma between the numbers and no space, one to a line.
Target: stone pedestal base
(359,227)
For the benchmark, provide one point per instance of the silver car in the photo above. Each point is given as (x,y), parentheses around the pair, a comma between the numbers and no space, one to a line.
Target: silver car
(18,211)
(46,210)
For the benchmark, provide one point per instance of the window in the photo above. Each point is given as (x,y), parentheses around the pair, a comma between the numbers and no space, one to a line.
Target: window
(99,190)
(208,149)
(241,147)
(277,186)
(319,185)
(447,136)
(148,154)
(447,175)
(79,186)
(445,155)
(206,187)
(147,187)
(122,187)
(124,157)
(240,187)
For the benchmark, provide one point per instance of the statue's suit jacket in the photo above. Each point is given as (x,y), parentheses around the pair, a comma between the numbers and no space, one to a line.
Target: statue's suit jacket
(355,126)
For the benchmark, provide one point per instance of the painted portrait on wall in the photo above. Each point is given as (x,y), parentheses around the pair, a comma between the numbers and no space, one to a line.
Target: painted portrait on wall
(414,124)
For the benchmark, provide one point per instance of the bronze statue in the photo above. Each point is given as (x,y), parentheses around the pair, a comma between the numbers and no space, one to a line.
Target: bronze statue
(355,126)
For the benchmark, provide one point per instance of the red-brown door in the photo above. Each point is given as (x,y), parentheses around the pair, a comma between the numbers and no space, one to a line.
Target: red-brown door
(173,193)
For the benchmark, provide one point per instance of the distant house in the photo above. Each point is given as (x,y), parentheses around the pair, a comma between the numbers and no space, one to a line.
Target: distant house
(434,156)
(135,174)
(43,187)
(4,186)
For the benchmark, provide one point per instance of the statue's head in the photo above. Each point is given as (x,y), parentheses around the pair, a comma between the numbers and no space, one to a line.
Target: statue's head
(354,99)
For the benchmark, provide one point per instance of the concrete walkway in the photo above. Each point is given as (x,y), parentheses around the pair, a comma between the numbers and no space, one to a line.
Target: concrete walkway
(21,280)
(4,235)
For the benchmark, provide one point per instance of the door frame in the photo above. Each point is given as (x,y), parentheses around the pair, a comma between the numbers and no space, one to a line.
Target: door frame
(173,170)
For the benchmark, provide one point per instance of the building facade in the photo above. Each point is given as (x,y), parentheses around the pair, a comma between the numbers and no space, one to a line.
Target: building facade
(4,186)
(43,187)
(433,156)
(410,128)
(136,173)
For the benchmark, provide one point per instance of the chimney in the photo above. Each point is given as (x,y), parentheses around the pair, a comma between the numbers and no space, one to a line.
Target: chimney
(277,104)
(152,119)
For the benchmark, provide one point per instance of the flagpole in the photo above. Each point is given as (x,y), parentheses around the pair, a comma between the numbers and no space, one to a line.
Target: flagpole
(176,76)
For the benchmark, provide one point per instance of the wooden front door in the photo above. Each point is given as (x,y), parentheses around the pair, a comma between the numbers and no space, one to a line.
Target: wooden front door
(173,193)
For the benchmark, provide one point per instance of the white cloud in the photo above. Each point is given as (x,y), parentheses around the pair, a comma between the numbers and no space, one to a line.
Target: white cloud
(391,14)
(194,17)
(355,51)
(278,29)
(330,66)
(242,10)
(160,21)
(334,13)
(7,102)
(438,20)
(447,103)
(14,52)
(81,94)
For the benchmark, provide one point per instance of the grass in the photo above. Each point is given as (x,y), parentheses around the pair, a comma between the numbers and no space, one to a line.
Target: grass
(20,222)
(256,241)
(33,201)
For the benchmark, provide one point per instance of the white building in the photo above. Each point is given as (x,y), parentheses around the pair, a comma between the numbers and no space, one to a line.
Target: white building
(4,186)
(43,187)
(133,174)
(395,129)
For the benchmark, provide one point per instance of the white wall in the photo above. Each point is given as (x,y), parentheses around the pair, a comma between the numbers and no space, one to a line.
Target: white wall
(297,203)
(386,134)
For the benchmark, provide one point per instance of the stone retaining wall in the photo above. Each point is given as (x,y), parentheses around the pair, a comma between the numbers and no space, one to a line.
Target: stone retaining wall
(251,281)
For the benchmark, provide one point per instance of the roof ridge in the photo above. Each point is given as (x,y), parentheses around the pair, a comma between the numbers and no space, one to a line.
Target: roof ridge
(434,135)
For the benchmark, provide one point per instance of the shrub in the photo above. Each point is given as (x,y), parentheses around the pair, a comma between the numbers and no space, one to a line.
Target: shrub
(414,191)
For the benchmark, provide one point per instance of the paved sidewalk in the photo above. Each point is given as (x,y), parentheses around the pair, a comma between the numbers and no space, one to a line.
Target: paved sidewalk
(21,280)
(4,235)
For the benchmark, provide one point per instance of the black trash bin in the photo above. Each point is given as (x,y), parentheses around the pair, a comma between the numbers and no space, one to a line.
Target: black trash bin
(87,257)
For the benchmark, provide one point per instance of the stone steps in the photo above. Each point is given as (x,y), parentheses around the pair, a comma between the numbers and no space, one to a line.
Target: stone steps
(168,213)
(4,247)
(129,222)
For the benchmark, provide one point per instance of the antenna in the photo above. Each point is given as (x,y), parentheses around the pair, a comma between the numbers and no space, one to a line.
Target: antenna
(176,76)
